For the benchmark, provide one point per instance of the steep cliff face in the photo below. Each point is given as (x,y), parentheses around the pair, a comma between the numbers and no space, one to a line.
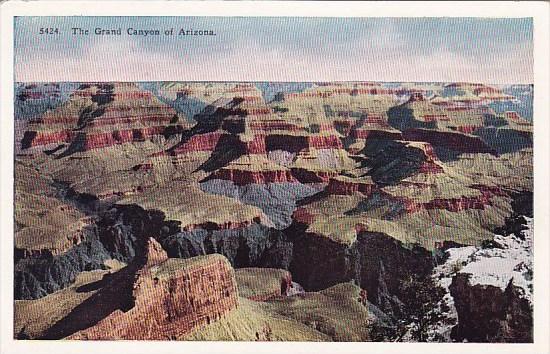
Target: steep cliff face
(255,245)
(378,263)
(349,186)
(383,264)
(277,200)
(493,291)
(318,262)
(119,234)
(170,298)
(389,161)
(487,313)
(454,141)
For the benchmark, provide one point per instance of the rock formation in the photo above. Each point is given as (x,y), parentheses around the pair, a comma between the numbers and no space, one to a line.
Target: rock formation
(171,298)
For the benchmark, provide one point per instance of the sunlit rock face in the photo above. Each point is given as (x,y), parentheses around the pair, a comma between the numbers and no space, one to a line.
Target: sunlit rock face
(170,298)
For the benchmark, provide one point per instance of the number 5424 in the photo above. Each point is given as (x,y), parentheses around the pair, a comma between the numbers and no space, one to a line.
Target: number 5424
(49,30)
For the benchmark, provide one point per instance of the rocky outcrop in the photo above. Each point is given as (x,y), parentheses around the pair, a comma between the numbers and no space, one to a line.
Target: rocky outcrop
(243,177)
(263,126)
(493,290)
(171,297)
(37,138)
(118,234)
(454,141)
(262,284)
(450,204)
(296,143)
(349,186)
(252,246)
(318,262)
(101,115)
(116,137)
(488,313)
(392,161)
(377,262)
(277,200)
(304,175)
(383,263)
(203,142)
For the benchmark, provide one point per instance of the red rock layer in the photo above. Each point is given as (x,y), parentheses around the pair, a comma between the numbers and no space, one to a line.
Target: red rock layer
(256,146)
(303,216)
(360,133)
(432,164)
(296,143)
(435,117)
(455,204)
(430,167)
(116,137)
(202,142)
(270,125)
(324,142)
(258,111)
(172,306)
(339,187)
(136,121)
(375,119)
(454,141)
(244,177)
(515,117)
(489,190)
(450,204)
(468,129)
(48,137)
(416,96)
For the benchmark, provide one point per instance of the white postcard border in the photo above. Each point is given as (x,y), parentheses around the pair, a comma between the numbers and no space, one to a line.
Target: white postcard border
(538,10)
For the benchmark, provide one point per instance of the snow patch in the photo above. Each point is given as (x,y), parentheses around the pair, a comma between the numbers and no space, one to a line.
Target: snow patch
(511,259)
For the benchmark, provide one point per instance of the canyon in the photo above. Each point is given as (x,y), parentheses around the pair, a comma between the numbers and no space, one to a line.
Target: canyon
(241,211)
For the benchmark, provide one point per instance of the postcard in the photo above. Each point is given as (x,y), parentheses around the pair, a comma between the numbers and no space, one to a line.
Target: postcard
(266,176)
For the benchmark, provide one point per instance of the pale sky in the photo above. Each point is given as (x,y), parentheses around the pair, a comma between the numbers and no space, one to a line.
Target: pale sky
(278,49)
